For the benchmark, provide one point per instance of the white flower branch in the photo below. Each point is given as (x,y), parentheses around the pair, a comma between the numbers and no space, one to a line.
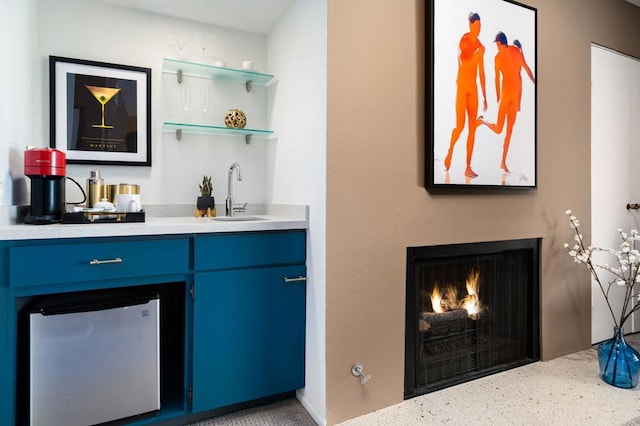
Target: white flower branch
(625,273)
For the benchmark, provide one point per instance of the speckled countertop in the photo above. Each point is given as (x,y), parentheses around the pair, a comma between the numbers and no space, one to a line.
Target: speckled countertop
(271,217)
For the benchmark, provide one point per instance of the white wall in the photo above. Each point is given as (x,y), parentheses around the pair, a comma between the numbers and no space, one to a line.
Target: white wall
(68,28)
(17,44)
(297,54)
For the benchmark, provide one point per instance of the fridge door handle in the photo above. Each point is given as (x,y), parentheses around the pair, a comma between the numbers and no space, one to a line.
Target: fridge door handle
(103,262)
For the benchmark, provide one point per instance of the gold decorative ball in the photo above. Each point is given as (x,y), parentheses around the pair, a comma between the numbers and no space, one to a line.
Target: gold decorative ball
(235,118)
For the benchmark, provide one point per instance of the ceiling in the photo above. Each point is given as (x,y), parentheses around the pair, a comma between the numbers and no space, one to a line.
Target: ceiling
(255,16)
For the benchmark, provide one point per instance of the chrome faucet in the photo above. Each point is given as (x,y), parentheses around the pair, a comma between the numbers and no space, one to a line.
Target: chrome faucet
(230,207)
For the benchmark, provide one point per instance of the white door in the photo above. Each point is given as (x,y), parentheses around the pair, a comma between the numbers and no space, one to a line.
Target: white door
(615,110)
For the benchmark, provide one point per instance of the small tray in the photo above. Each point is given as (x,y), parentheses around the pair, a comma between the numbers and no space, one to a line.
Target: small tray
(103,217)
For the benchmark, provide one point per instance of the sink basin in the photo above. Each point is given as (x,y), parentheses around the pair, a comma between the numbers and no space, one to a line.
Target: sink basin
(236,218)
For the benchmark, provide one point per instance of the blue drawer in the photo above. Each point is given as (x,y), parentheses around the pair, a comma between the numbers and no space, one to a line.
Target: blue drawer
(100,260)
(247,249)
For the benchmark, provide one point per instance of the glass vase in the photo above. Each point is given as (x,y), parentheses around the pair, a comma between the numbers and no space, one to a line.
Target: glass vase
(619,363)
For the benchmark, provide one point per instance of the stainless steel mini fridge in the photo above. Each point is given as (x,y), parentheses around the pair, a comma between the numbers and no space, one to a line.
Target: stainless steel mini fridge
(94,359)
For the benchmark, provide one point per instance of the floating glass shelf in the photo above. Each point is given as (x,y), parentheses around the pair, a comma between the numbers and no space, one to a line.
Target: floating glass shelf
(214,130)
(203,70)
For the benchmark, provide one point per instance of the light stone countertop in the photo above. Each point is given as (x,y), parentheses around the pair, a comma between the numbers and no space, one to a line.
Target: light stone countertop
(276,217)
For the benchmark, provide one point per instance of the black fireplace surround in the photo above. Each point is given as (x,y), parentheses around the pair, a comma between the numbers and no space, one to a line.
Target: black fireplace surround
(448,342)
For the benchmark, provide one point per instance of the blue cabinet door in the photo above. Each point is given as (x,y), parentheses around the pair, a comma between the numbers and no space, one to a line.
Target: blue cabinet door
(248,336)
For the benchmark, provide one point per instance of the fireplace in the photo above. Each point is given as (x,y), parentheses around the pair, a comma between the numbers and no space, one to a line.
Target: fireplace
(472,310)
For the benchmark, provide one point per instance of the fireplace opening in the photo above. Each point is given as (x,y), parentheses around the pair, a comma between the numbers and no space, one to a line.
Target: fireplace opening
(472,310)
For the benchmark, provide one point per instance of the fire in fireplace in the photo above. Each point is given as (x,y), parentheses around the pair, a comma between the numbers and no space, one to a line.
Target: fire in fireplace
(448,301)
(472,310)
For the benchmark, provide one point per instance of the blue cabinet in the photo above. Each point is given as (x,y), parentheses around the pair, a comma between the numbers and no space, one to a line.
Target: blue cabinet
(241,337)
(249,321)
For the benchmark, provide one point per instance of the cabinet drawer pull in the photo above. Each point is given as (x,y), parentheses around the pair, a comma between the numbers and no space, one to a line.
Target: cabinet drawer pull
(293,280)
(103,262)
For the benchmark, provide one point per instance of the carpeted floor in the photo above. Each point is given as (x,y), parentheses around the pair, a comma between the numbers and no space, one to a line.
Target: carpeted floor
(288,412)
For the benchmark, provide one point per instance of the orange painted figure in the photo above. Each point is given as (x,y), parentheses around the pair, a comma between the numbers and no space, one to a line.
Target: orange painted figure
(509,62)
(470,69)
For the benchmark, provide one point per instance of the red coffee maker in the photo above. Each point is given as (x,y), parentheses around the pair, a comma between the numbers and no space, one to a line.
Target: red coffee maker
(46,167)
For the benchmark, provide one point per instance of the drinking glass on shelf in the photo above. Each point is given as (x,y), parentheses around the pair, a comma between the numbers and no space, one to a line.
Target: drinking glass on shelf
(205,98)
(180,42)
(186,94)
(204,39)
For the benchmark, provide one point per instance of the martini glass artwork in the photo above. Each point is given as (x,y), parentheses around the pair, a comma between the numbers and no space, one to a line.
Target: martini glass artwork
(103,95)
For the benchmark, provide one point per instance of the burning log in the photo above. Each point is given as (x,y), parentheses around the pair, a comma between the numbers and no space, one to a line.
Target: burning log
(448,301)
(424,326)
(435,318)
(443,323)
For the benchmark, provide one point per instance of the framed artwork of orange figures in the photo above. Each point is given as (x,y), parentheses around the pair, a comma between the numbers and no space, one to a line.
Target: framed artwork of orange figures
(480,95)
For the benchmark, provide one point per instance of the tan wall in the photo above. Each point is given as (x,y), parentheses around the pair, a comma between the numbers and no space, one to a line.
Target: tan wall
(377,205)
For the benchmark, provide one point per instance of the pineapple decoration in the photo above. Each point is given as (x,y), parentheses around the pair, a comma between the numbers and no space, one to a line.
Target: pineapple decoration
(206,204)
(235,119)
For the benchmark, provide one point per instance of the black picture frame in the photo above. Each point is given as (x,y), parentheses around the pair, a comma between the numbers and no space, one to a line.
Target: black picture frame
(100,113)
(453,52)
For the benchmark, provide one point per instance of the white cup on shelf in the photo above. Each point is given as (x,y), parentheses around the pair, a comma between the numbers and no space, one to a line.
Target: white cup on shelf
(247,65)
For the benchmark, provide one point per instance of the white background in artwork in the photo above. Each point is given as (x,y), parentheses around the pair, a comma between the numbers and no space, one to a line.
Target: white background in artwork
(450,23)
